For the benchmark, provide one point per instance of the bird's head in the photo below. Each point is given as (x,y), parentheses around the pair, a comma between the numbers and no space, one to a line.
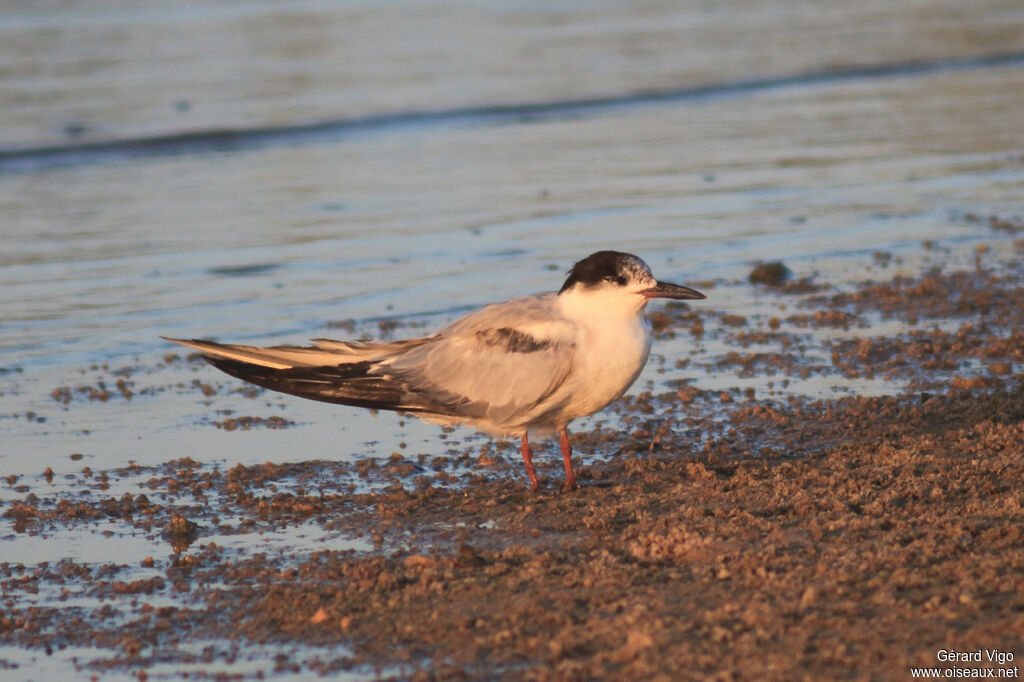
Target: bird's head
(620,280)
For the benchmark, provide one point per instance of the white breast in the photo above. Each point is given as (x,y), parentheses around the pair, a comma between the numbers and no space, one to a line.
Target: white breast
(613,343)
(610,359)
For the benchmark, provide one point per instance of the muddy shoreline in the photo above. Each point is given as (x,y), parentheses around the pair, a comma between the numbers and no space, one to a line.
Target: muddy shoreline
(731,534)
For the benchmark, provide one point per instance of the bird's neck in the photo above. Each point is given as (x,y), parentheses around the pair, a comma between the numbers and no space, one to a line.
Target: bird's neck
(588,306)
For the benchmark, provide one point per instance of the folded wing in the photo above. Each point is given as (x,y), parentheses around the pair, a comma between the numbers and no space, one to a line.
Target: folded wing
(500,364)
(494,367)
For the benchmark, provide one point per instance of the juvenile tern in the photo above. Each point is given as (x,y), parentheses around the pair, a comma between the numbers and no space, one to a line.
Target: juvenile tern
(530,364)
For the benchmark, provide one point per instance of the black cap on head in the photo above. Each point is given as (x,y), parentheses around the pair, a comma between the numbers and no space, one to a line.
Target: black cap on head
(603,265)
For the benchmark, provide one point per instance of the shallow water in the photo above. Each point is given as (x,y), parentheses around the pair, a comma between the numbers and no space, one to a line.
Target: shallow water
(416,201)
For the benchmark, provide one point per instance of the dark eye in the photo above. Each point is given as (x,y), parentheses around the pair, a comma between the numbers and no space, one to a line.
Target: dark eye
(620,280)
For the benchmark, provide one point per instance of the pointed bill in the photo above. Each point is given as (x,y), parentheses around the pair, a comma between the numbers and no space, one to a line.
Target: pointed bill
(669,290)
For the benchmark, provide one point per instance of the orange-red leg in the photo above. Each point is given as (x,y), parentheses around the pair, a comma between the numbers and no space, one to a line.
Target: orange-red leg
(570,477)
(528,460)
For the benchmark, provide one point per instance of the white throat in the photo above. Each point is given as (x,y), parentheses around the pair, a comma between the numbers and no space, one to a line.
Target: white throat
(590,305)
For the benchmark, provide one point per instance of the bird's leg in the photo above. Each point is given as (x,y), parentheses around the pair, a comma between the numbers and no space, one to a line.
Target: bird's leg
(570,477)
(528,460)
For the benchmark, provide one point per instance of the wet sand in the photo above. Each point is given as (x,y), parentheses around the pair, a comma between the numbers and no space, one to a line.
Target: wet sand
(731,534)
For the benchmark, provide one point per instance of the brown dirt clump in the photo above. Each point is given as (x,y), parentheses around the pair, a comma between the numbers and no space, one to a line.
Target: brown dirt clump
(772,274)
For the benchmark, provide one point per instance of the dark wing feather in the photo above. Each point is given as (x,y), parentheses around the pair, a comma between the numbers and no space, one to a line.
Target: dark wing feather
(347,384)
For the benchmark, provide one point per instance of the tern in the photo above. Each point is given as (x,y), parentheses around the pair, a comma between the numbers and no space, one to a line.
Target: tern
(527,365)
